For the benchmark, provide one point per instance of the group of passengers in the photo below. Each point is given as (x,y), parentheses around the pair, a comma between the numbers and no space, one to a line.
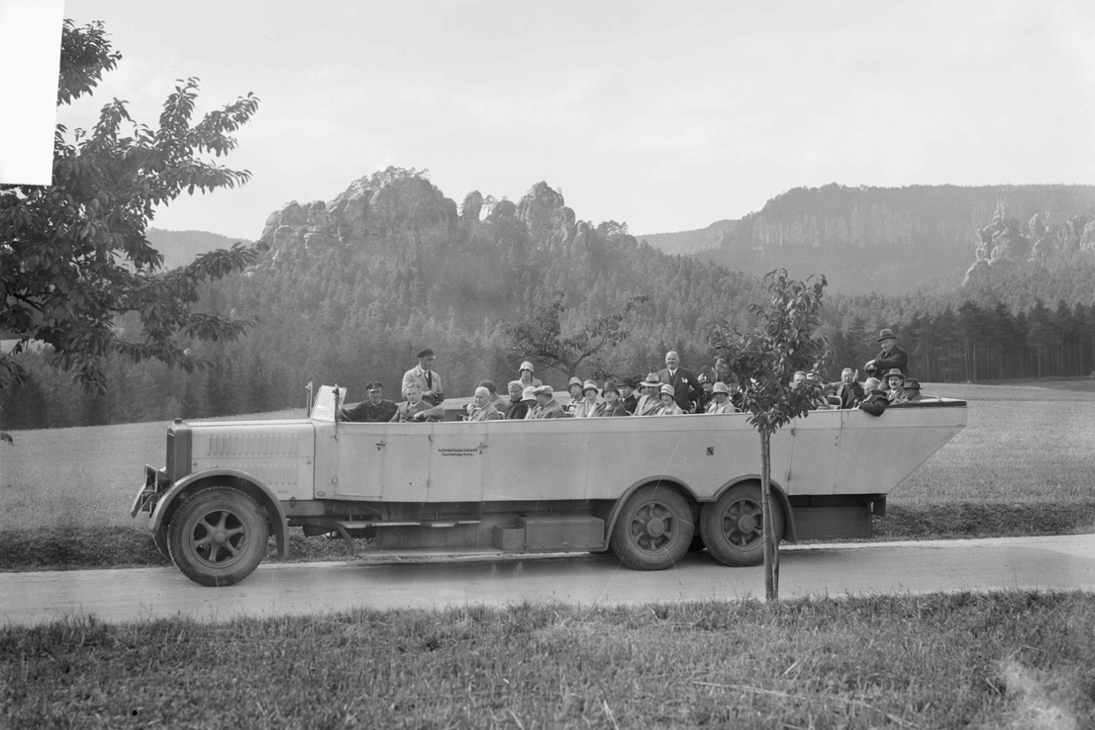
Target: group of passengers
(887,382)
(674,390)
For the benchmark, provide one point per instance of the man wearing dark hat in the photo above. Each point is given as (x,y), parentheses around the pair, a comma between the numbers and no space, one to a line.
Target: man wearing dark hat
(891,357)
(427,380)
(912,392)
(628,397)
(376,409)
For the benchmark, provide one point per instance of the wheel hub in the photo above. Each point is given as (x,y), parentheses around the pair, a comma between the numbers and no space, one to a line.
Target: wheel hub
(746,523)
(220,538)
(655,527)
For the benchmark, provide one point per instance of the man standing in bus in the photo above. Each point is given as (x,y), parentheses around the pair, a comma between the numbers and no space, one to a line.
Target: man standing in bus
(686,388)
(891,357)
(427,380)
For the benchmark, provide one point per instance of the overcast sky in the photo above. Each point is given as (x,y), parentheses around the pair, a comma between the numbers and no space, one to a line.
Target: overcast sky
(668,116)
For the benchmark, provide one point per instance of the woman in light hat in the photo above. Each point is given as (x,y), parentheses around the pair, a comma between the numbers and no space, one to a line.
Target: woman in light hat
(669,403)
(591,399)
(574,387)
(720,399)
(525,379)
(611,403)
(650,403)
(895,382)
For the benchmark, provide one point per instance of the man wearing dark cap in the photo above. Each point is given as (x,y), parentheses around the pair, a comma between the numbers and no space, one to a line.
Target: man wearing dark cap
(891,357)
(426,379)
(374,410)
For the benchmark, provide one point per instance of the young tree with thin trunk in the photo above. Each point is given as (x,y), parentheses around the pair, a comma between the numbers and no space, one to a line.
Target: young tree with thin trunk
(765,360)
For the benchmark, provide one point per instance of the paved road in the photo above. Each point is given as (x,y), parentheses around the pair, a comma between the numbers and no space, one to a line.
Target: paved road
(1050,563)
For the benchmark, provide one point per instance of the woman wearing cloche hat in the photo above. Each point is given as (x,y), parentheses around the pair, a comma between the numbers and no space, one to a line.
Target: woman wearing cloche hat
(591,398)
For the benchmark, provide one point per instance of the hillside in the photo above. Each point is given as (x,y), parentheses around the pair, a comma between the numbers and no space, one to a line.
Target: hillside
(180,247)
(691,242)
(887,240)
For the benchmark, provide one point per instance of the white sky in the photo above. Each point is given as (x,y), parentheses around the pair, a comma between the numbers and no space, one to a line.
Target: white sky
(668,116)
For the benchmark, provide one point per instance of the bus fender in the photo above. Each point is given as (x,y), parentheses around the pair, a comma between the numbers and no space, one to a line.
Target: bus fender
(249,484)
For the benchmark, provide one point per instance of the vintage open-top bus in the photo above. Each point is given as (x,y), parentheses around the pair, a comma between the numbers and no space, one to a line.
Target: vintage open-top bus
(647,488)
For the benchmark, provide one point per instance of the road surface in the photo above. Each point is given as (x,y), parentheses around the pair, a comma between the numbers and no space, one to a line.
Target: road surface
(1047,563)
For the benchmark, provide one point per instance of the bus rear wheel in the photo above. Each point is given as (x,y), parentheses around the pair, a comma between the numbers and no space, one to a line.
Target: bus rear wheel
(732,526)
(218,536)
(654,529)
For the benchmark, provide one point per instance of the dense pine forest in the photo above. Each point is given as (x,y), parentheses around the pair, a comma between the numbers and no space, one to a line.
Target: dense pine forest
(350,289)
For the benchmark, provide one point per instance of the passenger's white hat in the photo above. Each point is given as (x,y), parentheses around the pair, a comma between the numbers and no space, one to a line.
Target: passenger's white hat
(526,365)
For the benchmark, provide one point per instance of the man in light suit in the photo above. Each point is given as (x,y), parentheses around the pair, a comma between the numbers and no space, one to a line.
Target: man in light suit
(427,380)
(686,387)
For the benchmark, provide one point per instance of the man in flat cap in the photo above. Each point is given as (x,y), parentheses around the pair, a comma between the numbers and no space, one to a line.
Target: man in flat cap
(426,379)
(891,357)
(376,409)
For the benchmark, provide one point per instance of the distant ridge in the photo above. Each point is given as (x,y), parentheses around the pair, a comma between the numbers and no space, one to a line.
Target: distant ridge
(180,247)
(886,240)
(691,242)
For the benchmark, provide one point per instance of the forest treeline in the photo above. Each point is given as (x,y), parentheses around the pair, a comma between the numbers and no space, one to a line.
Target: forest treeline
(335,303)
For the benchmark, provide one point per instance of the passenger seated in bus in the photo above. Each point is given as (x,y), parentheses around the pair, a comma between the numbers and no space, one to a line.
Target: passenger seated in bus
(376,409)
(895,386)
(483,409)
(496,400)
(611,404)
(416,409)
(591,398)
(428,381)
(516,407)
(912,392)
(628,397)
(668,397)
(574,387)
(650,403)
(848,390)
(874,402)
(528,397)
(720,399)
(546,405)
(707,382)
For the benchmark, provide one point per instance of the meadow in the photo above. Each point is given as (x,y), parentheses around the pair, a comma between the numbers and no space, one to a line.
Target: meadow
(1024,464)
(1007,660)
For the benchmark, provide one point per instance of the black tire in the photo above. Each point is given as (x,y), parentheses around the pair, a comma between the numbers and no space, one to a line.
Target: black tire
(732,528)
(218,536)
(654,529)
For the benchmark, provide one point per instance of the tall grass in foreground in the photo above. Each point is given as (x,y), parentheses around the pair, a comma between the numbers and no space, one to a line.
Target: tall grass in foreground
(943,661)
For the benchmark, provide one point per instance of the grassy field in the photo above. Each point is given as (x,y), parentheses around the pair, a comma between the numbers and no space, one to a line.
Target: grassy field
(1010,660)
(1024,464)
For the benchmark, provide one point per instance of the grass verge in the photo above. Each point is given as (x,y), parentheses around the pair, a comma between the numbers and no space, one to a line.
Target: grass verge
(78,547)
(942,661)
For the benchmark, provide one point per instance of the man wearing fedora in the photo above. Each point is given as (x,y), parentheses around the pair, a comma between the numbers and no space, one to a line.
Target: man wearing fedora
(891,357)
(913,394)
(650,403)
(427,380)
(686,387)
(377,409)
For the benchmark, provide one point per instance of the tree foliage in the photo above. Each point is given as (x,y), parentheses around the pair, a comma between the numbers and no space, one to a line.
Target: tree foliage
(783,342)
(75,257)
(542,338)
